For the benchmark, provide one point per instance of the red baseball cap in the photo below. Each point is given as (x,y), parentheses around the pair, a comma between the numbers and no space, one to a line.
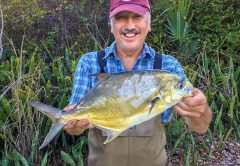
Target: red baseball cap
(137,6)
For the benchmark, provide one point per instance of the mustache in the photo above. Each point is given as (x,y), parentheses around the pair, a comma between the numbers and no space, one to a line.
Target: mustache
(125,30)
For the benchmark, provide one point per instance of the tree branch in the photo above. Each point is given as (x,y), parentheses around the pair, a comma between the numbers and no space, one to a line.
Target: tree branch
(1,31)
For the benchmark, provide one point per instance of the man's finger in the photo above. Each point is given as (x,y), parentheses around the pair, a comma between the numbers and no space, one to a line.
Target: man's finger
(184,113)
(77,130)
(90,126)
(196,100)
(82,122)
(195,91)
(71,124)
(182,105)
(69,107)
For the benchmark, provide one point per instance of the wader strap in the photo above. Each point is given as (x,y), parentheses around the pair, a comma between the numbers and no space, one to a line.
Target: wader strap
(101,61)
(157,61)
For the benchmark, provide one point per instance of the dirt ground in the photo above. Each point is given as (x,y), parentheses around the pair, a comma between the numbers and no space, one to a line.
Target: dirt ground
(228,155)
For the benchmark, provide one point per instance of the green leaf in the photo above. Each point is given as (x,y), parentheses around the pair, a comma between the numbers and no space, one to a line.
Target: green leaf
(75,153)
(19,157)
(80,160)
(5,161)
(45,160)
(223,99)
(3,136)
(178,141)
(6,105)
(3,116)
(67,158)
(232,104)
(63,101)
(176,127)
(218,120)
(33,147)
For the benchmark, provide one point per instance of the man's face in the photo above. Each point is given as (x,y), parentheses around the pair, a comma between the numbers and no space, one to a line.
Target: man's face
(130,30)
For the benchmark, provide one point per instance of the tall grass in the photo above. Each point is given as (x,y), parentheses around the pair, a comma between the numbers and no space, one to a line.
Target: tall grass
(21,128)
(50,81)
(219,80)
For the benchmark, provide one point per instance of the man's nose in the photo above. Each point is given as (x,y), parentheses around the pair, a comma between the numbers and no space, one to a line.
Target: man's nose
(130,23)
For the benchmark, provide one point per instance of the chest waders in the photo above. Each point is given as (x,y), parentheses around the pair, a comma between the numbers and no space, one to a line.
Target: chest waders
(142,145)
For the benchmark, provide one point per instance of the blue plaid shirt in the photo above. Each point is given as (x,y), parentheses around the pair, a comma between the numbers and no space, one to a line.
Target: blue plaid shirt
(88,64)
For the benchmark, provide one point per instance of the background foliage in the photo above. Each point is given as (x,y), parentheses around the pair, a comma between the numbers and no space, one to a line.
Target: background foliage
(43,41)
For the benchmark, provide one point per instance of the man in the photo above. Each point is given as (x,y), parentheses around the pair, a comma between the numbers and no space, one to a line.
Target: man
(130,24)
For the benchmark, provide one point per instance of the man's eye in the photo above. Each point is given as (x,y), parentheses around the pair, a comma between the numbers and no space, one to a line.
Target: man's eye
(120,17)
(136,16)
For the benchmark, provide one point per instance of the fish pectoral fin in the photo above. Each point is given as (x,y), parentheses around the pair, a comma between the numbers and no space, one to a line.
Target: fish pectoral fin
(153,103)
(54,130)
(111,136)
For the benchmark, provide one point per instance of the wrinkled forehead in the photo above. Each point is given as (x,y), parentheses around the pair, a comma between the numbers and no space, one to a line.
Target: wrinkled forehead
(127,14)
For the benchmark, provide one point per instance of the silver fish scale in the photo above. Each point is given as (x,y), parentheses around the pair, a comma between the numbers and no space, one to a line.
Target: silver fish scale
(137,85)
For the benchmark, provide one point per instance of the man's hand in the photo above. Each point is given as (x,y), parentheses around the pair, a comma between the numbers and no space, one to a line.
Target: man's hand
(76,127)
(195,111)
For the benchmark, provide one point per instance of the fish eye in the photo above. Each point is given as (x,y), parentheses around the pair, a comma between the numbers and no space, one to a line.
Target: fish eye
(180,85)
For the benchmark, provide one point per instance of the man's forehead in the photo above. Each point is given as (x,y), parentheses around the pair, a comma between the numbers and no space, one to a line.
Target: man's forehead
(126,13)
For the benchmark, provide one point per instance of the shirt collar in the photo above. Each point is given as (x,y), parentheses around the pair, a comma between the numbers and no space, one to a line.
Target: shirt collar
(146,52)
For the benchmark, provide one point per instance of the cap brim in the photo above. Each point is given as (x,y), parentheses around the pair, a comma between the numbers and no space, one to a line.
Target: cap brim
(129,7)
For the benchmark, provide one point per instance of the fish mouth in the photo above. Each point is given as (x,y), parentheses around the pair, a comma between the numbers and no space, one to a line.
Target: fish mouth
(188,89)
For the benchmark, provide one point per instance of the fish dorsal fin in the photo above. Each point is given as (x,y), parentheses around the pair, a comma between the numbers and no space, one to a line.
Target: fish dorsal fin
(111,134)
(101,76)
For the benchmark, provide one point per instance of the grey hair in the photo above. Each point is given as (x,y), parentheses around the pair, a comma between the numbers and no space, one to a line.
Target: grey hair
(148,17)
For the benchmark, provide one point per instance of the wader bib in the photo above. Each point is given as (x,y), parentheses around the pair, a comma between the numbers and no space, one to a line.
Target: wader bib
(142,145)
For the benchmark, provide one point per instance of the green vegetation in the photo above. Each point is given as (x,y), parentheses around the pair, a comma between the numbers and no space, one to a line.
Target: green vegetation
(41,48)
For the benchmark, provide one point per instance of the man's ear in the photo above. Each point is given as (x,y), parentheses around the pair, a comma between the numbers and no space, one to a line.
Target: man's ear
(111,29)
(149,27)
(110,24)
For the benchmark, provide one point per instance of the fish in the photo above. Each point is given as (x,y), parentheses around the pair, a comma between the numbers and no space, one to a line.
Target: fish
(120,101)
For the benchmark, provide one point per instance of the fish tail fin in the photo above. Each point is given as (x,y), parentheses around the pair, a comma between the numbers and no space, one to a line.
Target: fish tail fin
(49,111)
(112,136)
(54,114)
(56,127)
